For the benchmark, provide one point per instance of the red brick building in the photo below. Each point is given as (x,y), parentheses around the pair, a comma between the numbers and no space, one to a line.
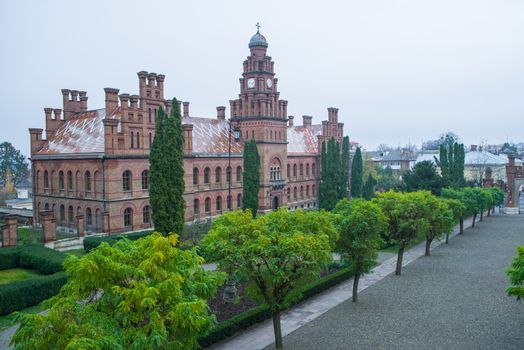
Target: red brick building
(93,164)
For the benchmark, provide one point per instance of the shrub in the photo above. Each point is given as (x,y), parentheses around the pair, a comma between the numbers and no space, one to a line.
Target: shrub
(22,294)
(8,258)
(44,260)
(91,243)
(261,313)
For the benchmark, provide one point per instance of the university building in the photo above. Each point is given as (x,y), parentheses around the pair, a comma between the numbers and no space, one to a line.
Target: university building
(93,163)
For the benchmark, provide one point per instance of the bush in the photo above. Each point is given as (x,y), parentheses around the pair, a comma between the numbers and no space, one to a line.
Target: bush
(44,260)
(91,243)
(8,258)
(22,294)
(261,313)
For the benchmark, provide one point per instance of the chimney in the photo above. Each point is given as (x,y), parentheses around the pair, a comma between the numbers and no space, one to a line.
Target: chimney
(110,130)
(473,148)
(341,129)
(186,109)
(187,129)
(142,75)
(111,100)
(74,95)
(83,101)
(291,122)
(134,101)
(330,114)
(36,139)
(58,114)
(221,113)
(124,101)
(306,120)
(52,122)
(160,85)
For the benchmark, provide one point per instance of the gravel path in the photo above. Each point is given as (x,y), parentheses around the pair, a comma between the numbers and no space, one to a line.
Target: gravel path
(454,299)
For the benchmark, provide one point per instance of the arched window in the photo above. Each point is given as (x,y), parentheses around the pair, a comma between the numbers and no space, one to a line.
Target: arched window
(46,206)
(46,180)
(128,219)
(301,169)
(98,220)
(239,201)
(207,206)
(219,204)
(62,215)
(89,217)
(313,170)
(295,194)
(126,181)
(206,175)
(229,204)
(70,215)
(61,180)
(96,182)
(288,195)
(307,191)
(218,175)
(155,114)
(288,172)
(307,169)
(301,192)
(294,170)
(196,208)
(145,179)
(313,190)
(69,181)
(150,140)
(52,181)
(228,174)
(239,173)
(146,215)
(77,182)
(195,176)
(137,139)
(87,181)
(132,139)
(149,114)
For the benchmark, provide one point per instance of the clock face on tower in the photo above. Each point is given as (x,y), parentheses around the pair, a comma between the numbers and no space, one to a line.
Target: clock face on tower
(269,83)
(251,83)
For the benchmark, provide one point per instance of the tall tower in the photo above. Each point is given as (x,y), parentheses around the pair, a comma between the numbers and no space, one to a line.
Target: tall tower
(262,116)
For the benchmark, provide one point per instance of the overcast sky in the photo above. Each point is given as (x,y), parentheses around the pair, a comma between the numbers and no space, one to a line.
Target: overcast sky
(399,71)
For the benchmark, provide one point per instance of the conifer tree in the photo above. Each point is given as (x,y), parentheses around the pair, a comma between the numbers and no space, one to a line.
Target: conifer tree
(167,172)
(368,191)
(251,176)
(345,164)
(356,175)
(451,162)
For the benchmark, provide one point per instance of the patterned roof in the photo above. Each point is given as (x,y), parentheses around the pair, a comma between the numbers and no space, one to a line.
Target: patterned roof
(81,133)
(257,40)
(303,140)
(211,136)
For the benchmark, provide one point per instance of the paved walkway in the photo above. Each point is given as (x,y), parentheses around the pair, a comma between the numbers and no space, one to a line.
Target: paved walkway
(454,299)
(261,335)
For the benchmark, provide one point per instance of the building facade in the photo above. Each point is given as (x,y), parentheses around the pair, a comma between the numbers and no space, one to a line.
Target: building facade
(93,165)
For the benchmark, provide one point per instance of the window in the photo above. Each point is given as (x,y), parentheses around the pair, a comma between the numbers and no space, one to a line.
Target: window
(207,205)
(301,192)
(195,176)
(229,203)
(307,191)
(295,194)
(294,170)
(137,139)
(155,115)
(239,200)
(145,179)
(126,181)
(228,174)
(218,175)
(239,173)
(89,217)
(196,208)
(288,173)
(219,204)
(149,115)
(252,134)
(146,214)
(46,180)
(87,181)
(150,140)
(301,170)
(70,214)
(62,215)
(313,190)
(313,170)
(46,206)
(132,139)
(307,169)
(128,218)
(61,180)
(69,181)
(206,175)
(96,182)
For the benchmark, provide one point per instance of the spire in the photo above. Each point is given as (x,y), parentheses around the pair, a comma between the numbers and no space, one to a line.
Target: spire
(258,39)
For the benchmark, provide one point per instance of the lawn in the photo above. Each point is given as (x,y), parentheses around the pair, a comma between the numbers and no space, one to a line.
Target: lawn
(16,274)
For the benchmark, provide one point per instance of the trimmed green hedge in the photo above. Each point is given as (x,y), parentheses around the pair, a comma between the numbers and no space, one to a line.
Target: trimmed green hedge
(19,295)
(91,243)
(261,313)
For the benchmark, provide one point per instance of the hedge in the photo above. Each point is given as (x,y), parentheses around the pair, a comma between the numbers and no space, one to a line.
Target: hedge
(261,313)
(42,259)
(8,258)
(19,295)
(91,243)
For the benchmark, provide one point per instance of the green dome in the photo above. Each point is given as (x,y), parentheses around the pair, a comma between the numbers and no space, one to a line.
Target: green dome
(257,40)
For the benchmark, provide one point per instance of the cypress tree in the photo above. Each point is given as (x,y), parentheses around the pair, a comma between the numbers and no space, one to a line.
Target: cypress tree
(251,176)
(451,162)
(345,164)
(368,191)
(167,172)
(356,175)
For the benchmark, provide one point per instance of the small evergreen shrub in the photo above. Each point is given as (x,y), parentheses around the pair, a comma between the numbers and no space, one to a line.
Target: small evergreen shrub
(8,258)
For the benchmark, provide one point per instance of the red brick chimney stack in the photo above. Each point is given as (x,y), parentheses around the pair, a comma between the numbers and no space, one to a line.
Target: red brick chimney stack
(83,101)
(36,139)
(221,113)
(186,109)
(291,120)
(111,100)
(307,120)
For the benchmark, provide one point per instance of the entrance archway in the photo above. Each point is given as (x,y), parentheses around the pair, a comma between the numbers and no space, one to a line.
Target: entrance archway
(276,203)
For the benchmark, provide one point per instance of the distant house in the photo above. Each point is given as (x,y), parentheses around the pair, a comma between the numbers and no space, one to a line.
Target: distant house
(398,160)
(23,198)
(478,161)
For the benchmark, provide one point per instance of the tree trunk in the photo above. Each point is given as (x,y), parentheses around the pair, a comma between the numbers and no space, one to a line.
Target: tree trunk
(428,246)
(481,214)
(473,222)
(447,237)
(355,287)
(489,211)
(277,329)
(400,254)
(461,225)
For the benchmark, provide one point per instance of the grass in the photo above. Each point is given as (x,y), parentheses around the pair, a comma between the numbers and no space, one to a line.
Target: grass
(78,252)
(30,235)
(16,274)
(7,321)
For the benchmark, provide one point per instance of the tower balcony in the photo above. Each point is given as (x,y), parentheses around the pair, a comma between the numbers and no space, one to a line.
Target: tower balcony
(277,184)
